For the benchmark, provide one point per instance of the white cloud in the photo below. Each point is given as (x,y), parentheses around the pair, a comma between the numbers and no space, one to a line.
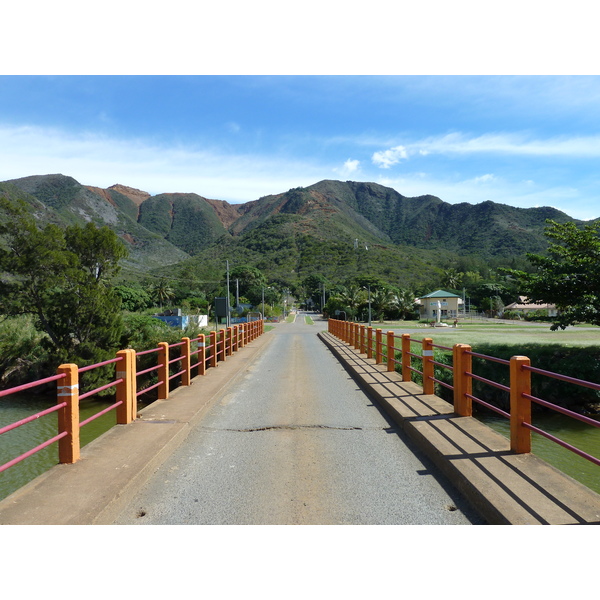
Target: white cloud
(102,161)
(484,178)
(387,158)
(509,143)
(351,166)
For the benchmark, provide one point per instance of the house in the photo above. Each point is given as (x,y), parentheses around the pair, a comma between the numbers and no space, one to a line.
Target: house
(448,304)
(523,306)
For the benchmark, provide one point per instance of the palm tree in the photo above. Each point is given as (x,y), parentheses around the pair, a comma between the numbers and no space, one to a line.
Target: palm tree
(163,292)
(404,303)
(381,301)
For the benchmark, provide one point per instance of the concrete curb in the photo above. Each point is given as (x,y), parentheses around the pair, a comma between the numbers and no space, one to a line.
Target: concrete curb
(505,488)
(117,464)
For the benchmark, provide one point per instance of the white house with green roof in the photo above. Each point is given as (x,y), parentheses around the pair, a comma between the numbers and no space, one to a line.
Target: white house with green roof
(445,304)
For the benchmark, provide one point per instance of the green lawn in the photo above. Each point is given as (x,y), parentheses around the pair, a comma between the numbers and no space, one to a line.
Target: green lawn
(497,333)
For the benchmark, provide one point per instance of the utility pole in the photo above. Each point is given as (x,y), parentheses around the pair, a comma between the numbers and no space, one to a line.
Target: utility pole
(227,304)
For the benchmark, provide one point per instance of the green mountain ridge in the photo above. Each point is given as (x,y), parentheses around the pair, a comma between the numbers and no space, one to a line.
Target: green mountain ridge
(331,227)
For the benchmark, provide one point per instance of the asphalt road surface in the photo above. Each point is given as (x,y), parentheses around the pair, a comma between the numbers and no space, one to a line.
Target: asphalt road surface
(296,442)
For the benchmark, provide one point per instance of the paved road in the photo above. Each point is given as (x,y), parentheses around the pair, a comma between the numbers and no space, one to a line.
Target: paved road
(296,442)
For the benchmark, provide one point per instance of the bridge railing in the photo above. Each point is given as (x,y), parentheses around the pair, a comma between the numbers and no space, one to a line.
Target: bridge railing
(166,369)
(400,358)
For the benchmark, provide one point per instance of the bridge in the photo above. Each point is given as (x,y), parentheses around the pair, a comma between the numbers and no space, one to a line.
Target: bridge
(306,424)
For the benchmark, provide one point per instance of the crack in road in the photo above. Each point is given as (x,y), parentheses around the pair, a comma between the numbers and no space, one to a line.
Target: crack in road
(288,427)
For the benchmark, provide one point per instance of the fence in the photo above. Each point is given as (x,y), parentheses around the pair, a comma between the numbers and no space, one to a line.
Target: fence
(519,368)
(127,390)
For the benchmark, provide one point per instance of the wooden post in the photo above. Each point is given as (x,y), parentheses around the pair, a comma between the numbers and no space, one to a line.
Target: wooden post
(520,407)
(378,347)
(362,339)
(68,417)
(406,358)
(391,353)
(213,348)
(163,371)
(369,342)
(126,391)
(428,368)
(463,383)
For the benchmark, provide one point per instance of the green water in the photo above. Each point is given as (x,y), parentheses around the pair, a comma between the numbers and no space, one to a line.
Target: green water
(18,441)
(582,436)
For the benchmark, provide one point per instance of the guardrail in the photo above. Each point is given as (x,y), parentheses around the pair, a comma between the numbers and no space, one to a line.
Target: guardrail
(361,338)
(127,391)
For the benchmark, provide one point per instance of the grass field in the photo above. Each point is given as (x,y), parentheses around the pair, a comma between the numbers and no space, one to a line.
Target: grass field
(492,332)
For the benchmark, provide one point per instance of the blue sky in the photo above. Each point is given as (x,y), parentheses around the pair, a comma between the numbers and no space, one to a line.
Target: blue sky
(519,140)
(255,112)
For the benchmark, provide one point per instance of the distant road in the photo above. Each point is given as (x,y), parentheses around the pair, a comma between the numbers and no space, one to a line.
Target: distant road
(296,442)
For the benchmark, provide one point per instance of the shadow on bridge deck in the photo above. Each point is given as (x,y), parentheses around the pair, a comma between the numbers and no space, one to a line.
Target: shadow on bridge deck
(506,488)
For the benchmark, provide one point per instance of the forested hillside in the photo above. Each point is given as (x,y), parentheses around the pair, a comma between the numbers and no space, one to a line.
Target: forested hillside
(332,228)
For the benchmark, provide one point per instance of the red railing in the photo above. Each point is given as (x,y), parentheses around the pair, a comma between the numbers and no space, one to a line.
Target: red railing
(125,383)
(360,337)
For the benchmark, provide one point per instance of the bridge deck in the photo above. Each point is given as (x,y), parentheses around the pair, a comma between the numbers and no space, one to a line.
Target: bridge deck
(506,488)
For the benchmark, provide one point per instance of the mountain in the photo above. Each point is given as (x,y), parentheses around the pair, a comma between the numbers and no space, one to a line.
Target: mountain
(332,227)
(64,201)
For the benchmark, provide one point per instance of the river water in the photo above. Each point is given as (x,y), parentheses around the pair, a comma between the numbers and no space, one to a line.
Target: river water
(582,436)
(20,440)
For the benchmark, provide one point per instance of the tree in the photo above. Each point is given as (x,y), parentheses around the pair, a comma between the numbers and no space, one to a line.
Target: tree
(163,292)
(452,279)
(404,304)
(568,276)
(63,279)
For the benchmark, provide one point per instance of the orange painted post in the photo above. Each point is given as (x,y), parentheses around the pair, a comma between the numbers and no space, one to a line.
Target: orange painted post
(222,345)
(163,371)
(357,336)
(463,383)
(229,343)
(428,367)
(406,358)
(369,342)
(378,347)
(201,354)
(347,331)
(236,338)
(134,398)
(391,352)
(362,340)
(186,377)
(68,417)
(213,348)
(125,391)
(520,406)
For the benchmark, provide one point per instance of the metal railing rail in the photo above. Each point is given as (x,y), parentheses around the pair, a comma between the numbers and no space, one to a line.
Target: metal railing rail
(519,389)
(125,383)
